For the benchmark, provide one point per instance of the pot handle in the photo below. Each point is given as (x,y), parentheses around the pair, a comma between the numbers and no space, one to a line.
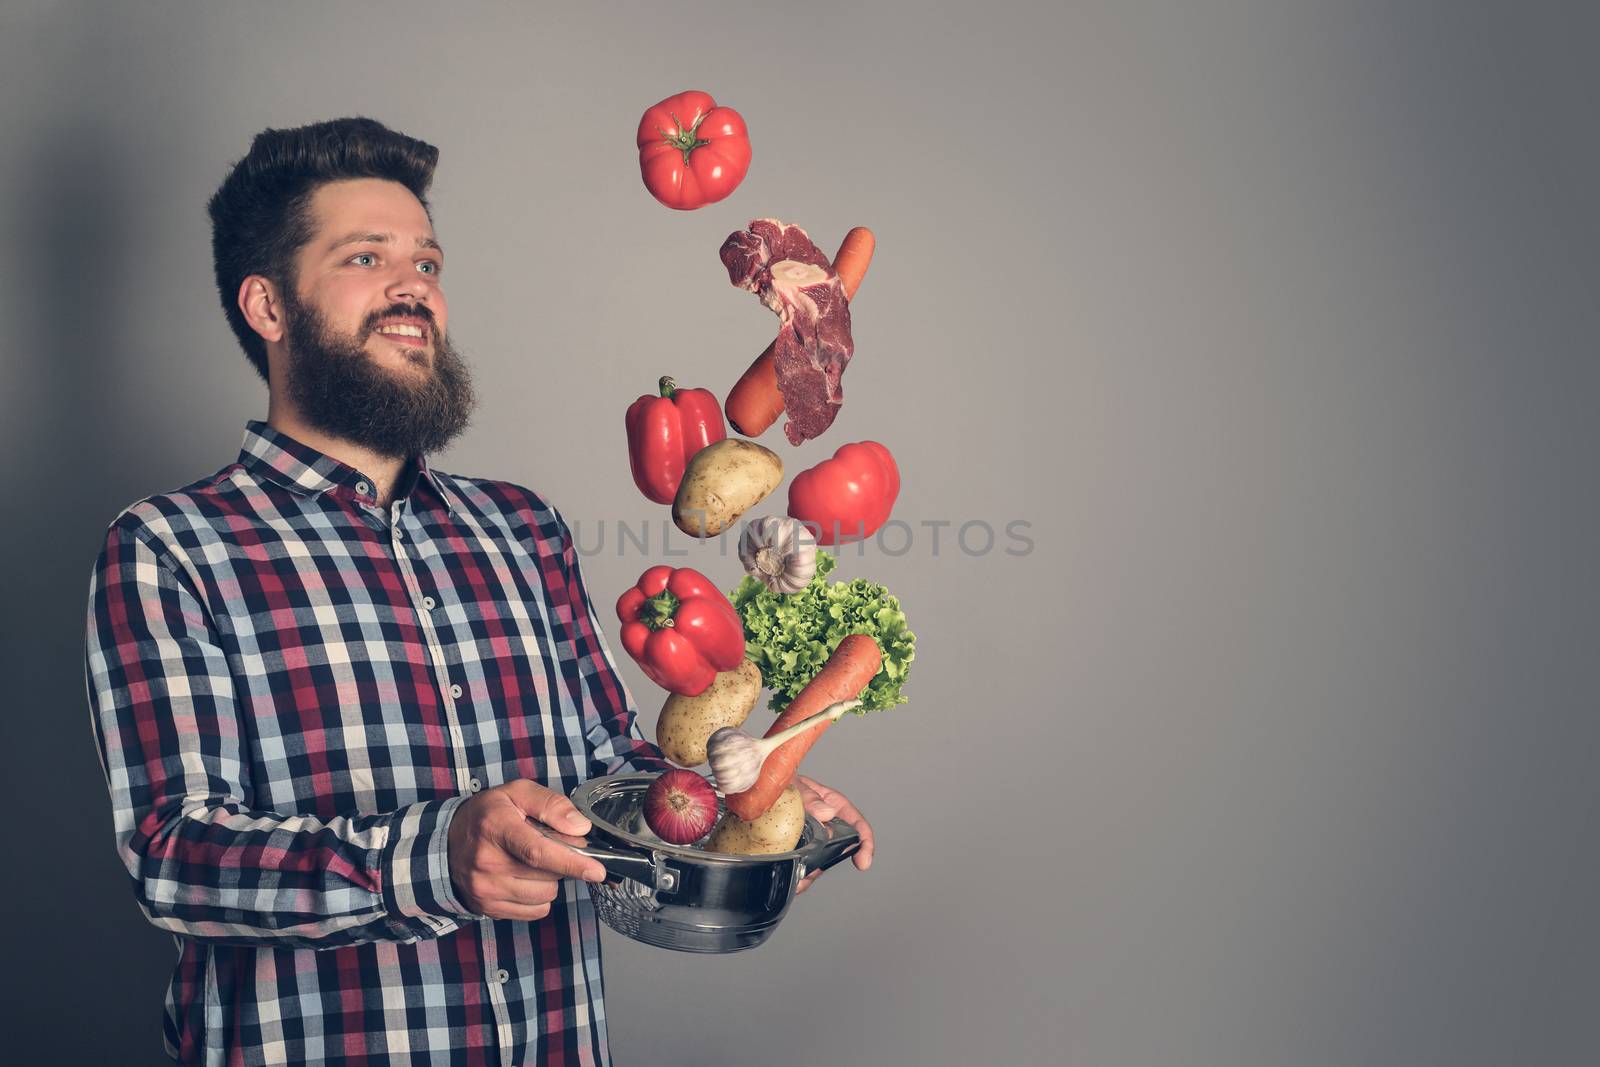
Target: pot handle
(621,864)
(628,863)
(842,842)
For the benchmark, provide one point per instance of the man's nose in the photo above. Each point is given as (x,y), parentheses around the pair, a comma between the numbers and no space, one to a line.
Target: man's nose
(411,285)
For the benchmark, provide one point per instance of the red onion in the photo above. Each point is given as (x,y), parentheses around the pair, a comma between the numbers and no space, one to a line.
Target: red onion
(680,807)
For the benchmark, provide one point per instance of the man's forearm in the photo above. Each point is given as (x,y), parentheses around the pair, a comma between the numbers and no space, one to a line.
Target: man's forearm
(218,872)
(204,864)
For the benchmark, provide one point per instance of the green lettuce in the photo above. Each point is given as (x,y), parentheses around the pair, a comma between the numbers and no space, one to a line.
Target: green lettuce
(791,636)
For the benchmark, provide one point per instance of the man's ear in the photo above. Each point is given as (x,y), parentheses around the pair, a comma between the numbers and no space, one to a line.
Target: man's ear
(262,306)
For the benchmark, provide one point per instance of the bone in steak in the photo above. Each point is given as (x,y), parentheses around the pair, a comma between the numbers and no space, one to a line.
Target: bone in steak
(793,277)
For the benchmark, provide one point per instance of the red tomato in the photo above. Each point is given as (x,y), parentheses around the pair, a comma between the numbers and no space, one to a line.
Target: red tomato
(692,152)
(848,497)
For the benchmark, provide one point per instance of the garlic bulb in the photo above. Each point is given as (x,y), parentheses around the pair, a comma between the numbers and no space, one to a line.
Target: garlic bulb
(736,757)
(780,553)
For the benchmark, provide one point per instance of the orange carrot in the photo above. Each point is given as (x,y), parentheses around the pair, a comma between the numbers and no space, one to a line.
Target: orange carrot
(853,258)
(847,673)
(754,403)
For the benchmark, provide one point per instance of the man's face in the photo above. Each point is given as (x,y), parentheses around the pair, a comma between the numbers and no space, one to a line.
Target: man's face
(368,356)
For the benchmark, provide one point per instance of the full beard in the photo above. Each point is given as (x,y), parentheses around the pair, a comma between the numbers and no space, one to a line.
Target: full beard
(341,390)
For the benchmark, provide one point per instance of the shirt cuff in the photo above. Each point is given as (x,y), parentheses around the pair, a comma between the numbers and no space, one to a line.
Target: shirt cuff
(417,892)
(642,762)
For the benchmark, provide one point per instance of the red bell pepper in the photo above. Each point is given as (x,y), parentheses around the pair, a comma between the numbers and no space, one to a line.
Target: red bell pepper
(848,497)
(680,629)
(665,431)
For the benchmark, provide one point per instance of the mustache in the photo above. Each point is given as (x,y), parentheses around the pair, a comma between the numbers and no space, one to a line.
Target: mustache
(417,311)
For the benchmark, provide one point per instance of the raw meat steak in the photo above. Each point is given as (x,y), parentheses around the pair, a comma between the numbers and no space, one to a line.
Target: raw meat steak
(794,278)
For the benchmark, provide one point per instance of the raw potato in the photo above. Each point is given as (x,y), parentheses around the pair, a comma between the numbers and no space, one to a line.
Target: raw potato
(686,722)
(777,829)
(723,481)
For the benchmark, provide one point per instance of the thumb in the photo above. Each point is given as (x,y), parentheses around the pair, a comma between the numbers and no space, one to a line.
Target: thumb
(547,806)
(815,803)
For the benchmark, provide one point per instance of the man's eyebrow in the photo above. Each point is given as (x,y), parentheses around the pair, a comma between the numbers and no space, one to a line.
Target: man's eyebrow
(361,237)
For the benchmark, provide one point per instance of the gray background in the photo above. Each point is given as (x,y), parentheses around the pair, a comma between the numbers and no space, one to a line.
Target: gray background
(1276,321)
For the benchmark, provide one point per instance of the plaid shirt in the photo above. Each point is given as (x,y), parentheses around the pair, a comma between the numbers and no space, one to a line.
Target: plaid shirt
(292,692)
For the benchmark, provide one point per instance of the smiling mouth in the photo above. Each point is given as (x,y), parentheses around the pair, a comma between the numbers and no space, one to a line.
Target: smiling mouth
(407,334)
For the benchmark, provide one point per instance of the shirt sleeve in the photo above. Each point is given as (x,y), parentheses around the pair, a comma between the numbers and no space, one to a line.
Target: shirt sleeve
(203,862)
(616,744)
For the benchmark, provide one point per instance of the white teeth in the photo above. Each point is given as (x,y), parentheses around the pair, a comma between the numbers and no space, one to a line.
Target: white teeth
(402,330)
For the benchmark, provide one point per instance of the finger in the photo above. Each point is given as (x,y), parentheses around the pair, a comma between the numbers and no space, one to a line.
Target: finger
(524,892)
(532,877)
(824,803)
(810,787)
(813,801)
(805,883)
(510,909)
(528,890)
(556,835)
(547,806)
(540,852)
(847,811)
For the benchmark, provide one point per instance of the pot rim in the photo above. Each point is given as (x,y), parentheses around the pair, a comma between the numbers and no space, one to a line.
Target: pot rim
(589,793)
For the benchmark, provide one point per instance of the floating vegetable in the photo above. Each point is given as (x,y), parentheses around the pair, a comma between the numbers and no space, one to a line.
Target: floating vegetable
(686,722)
(680,807)
(780,553)
(848,497)
(665,431)
(843,678)
(791,637)
(680,629)
(777,829)
(723,481)
(736,757)
(692,152)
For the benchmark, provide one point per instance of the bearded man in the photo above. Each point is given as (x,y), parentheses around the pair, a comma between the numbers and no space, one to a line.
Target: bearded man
(340,696)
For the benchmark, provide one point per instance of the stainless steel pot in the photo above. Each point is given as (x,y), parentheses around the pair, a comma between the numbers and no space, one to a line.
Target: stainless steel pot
(679,897)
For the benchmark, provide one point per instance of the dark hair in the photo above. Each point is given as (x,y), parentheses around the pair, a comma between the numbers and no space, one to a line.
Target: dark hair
(260,216)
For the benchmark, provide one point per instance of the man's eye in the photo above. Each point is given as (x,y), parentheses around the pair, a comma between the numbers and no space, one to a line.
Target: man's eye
(428,266)
(368,256)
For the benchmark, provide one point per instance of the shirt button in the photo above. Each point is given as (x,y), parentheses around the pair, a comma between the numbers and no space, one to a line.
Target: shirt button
(475,785)
(363,488)
(398,533)
(502,976)
(455,691)
(427,603)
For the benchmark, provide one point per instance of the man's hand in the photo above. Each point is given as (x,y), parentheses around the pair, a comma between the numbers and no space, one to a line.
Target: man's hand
(503,867)
(825,804)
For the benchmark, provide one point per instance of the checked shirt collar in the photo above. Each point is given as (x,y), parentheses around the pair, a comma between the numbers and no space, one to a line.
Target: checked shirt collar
(276,457)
